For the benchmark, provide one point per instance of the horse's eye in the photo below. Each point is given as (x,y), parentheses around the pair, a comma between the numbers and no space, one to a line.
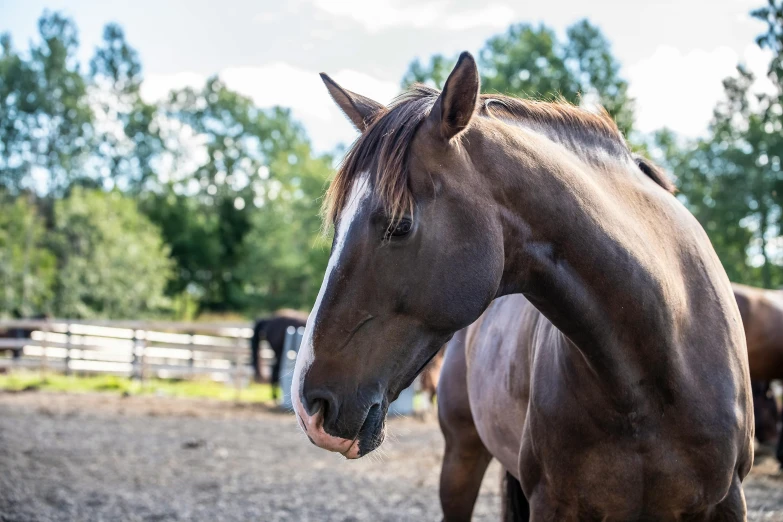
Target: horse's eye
(399,229)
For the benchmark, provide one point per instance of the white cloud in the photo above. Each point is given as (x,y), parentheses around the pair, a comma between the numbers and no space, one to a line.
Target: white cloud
(381,14)
(496,15)
(284,85)
(679,90)
(304,92)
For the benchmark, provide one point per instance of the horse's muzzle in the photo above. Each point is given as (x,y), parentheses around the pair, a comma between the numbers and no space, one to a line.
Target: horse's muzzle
(313,427)
(320,417)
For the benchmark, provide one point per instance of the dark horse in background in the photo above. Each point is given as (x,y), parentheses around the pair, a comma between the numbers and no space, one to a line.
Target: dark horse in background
(19,333)
(273,329)
(622,393)
(762,317)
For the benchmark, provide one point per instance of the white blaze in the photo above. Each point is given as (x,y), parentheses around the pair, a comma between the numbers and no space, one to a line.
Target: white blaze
(359,192)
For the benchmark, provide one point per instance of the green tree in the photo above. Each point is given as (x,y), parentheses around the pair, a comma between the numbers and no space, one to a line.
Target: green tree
(129,136)
(45,116)
(731,180)
(232,190)
(113,262)
(17,106)
(433,74)
(256,169)
(27,267)
(530,61)
(598,72)
(772,39)
(284,254)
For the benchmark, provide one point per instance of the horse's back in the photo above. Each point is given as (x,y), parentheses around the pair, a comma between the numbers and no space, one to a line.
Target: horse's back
(279,323)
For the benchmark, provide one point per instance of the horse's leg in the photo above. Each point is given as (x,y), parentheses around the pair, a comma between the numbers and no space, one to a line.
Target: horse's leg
(733,508)
(779,449)
(464,463)
(276,374)
(514,504)
(255,347)
(466,458)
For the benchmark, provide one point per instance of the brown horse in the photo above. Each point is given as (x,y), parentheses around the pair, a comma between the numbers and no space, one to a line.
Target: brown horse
(762,317)
(630,398)
(766,415)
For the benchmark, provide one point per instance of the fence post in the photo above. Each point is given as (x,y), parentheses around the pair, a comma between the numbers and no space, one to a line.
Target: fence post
(68,348)
(19,350)
(238,363)
(192,360)
(142,344)
(134,359)
(293,337)
(44,355)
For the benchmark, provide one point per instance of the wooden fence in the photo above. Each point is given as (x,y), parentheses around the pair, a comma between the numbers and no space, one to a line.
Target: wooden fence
(149,349)
(139,349)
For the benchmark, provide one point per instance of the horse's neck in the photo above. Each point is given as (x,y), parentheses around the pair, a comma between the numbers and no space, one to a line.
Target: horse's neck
(580,258)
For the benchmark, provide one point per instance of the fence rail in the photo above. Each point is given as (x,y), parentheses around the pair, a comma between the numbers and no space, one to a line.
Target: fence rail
(141,349)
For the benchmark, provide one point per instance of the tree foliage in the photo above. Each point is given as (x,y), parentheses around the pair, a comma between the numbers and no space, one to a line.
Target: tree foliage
(229,191)
(27,266)
(45,117)
(128,137)
(256,176)
(731,179)
(112,261)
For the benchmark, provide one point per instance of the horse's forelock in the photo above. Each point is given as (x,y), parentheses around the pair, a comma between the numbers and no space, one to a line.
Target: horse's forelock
(383,150)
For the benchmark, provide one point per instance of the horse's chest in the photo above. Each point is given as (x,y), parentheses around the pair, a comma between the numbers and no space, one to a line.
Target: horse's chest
(614,482)
(637,466)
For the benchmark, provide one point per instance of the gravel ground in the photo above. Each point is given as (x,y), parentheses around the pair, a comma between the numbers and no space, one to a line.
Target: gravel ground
(102,457)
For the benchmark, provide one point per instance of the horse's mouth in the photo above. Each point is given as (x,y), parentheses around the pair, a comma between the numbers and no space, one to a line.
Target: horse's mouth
(373,430)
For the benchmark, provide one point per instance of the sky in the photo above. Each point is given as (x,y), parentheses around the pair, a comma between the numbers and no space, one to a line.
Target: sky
(674,53)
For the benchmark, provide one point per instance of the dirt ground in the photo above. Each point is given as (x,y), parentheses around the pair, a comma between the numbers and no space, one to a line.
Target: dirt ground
(101,457)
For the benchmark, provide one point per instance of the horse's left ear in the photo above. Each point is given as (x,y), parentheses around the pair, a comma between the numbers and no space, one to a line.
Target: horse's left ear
(457,103)
(359,109)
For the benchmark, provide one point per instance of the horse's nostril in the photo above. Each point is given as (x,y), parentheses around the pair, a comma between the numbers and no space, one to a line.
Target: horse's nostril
(321,405)
(317,405)
(321,401)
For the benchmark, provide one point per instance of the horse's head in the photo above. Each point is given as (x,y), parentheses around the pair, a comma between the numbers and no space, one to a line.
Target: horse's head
(410,263)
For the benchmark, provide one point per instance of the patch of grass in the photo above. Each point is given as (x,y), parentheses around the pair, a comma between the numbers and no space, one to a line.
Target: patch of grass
(28,381)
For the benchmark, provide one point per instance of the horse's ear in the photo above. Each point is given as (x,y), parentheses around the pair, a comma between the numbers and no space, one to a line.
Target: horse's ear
(457,103)
(655,173)
(360,110)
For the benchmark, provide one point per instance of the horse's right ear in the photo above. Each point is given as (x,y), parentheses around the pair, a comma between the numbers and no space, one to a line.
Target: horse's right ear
(457,103)
(360,110)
